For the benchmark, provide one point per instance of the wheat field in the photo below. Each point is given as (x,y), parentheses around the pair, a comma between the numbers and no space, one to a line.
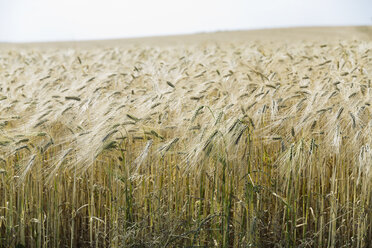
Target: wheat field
(211,142)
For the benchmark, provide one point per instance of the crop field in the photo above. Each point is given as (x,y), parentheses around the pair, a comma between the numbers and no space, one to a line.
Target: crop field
(241,143)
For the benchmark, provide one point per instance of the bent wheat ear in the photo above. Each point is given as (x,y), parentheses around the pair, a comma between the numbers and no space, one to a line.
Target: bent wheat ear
(139,160)
(211,137)
(75,98)
(170,84)
(133,118)
(339,112)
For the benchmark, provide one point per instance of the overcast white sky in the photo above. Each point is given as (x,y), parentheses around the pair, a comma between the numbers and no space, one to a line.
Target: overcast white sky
(51,20)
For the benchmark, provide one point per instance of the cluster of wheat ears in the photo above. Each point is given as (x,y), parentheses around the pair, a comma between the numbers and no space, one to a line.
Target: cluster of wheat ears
(218,144)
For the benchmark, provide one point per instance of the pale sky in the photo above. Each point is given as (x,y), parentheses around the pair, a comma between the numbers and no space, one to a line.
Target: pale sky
(53,20)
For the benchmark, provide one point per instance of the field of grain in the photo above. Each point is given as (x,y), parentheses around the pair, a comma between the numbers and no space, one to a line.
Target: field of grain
(212,142)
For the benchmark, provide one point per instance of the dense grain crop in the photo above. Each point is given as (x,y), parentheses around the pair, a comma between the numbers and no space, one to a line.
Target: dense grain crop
(230,144)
